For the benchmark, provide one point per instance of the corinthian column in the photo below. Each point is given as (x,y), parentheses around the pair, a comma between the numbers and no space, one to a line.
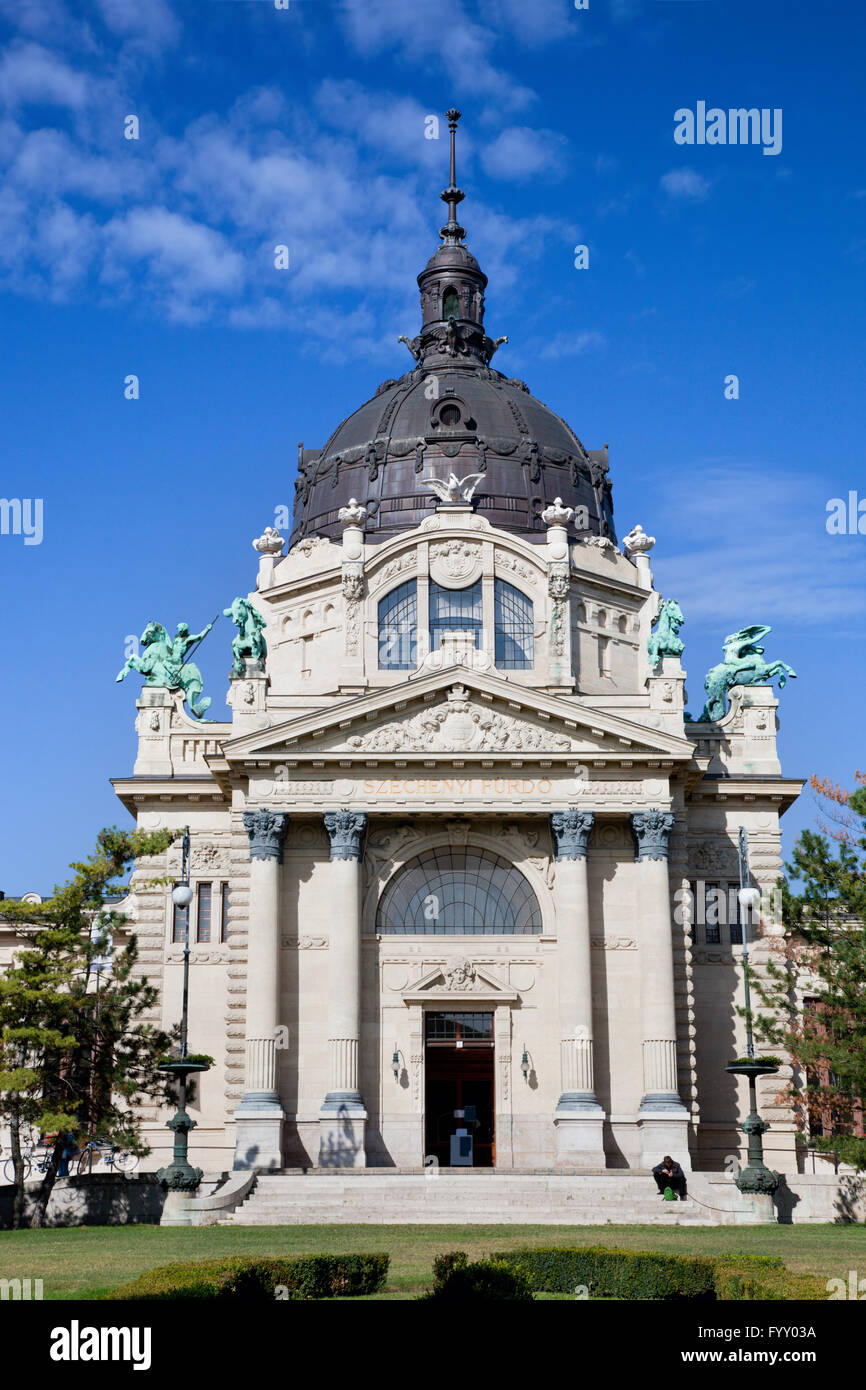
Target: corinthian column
(341,1140)
(579,1118)
(662,1117)
(259,1117)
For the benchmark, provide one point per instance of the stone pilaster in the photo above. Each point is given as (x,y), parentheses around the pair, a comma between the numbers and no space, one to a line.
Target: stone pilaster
(579,1119)
(343,1117)
(559,664)
(662,1118)
(259,1117)
(352,519)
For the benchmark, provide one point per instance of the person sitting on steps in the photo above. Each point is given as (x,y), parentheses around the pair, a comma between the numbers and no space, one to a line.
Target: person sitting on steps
(670,1174)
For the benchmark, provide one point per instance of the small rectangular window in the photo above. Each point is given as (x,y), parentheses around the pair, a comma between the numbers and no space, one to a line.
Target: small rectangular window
(714,911)
(204,912)
(224,914)
(180,918)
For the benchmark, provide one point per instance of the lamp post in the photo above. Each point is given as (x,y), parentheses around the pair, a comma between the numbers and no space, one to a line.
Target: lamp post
(180,1176)
(756,1177)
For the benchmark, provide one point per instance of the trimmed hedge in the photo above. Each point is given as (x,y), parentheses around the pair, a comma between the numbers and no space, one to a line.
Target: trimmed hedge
(488,1280)
(650,1275)
(257,1279)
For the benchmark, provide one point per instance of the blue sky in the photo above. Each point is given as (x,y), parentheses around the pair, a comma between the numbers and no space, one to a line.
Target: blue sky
(305,127)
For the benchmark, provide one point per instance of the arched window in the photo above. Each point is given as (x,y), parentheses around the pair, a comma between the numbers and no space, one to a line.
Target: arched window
(455,610)
(458,892)
(450,303)
(398,628)
(513,622)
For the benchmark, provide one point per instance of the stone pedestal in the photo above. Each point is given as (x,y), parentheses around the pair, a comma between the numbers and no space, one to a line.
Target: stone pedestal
(664,1132)
(177,1209)
(755,1209)
(259,1117)
(247,697)
(580,1137)
(155,705)
(342,1135)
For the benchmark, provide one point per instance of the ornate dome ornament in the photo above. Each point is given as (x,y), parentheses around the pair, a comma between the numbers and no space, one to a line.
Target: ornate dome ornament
(452,412)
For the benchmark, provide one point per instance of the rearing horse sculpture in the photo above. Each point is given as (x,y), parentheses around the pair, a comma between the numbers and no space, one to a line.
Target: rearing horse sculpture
(743,665)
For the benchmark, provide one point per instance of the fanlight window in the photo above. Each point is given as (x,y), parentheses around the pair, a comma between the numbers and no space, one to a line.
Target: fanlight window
(455,610)
(458,892)
(398,628)
(513,621)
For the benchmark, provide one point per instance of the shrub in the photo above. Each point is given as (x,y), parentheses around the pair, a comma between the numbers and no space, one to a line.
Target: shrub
(649,1275)
(255,1278)
(610,1273)
(488,1280)
(443,1264)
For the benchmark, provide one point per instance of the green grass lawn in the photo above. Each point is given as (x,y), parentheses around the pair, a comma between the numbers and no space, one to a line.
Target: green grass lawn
(78,1262)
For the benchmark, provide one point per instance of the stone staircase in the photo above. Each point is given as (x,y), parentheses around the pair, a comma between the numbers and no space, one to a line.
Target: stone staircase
(473,1196)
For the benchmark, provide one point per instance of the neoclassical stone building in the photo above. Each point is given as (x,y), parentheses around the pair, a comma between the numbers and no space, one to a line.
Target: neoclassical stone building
(452,855)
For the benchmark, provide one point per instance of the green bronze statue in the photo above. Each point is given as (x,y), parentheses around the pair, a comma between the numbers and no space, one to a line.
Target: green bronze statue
(743,665)
(249,644)
(163,661)
(665,641)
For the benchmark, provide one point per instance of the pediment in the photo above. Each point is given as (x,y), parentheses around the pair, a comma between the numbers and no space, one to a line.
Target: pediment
(459,712)
(459,982)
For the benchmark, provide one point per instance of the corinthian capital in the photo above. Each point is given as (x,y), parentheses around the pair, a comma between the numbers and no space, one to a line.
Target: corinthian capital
(346,831)
(571,831)
(267,832)
(651,830)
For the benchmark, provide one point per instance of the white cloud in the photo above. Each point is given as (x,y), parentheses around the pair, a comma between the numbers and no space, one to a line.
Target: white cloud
(573,344)
(685,183)
(151,20)
(440,35)
(30,73)
(391,126)
(183,261)
(534,22)
(520,153)
(770,549)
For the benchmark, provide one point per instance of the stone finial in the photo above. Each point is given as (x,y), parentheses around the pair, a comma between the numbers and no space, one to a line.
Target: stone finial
(353,515)
(557,514)
(638,542)
(270,542)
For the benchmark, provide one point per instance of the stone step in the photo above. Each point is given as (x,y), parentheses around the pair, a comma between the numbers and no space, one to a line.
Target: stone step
(485,1197)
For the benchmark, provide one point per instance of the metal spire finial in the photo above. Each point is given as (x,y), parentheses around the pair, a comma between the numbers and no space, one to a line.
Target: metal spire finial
(452,195)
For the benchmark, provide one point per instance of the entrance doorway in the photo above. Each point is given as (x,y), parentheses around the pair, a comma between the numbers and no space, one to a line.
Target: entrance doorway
(459,1089)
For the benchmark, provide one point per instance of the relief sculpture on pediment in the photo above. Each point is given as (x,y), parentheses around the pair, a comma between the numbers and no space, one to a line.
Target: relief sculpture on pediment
(460,723)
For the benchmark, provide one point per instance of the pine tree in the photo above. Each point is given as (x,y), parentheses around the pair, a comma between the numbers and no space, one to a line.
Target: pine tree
(77,1052)
(814,991)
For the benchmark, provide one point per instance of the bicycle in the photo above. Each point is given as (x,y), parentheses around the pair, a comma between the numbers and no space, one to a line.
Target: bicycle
(120,1159)
(40,1161)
